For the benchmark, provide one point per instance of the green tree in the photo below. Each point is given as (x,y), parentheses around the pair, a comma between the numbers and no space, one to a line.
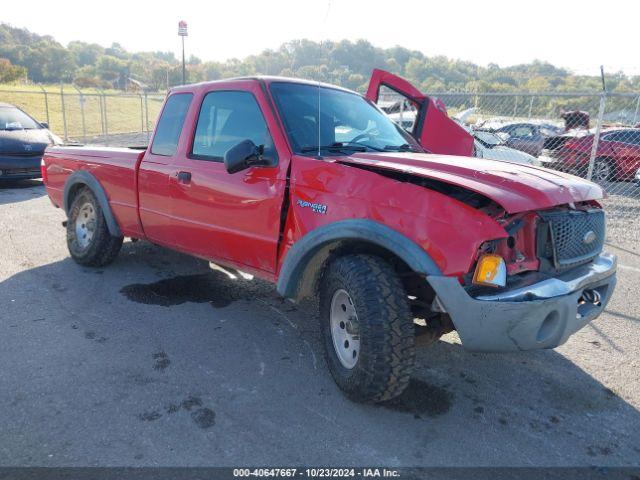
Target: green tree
(10,73)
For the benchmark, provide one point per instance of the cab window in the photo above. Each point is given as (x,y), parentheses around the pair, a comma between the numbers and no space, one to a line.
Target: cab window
(227,118)
(165,141)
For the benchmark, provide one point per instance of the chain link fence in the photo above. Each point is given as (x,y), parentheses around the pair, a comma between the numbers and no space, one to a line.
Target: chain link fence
(595,136)
(592,135)
(90,116)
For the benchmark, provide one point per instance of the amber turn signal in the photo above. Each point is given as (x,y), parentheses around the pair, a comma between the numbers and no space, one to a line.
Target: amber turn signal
(491,271)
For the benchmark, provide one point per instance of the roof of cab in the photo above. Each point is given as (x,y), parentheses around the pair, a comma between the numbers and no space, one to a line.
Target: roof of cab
(259,78)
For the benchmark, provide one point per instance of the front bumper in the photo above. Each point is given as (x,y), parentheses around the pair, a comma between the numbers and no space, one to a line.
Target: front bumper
(536,316)
(20,167)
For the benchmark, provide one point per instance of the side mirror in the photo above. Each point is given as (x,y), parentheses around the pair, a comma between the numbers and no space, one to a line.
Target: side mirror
(44,124)
(244,155)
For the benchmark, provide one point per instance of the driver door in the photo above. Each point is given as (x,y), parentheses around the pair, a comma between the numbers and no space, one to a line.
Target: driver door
(230,218)
(424,117)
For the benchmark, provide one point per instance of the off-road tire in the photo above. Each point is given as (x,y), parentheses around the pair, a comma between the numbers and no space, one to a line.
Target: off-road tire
(103,248)
(385,325)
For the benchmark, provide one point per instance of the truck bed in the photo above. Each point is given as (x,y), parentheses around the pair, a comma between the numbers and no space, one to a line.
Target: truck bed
(115,169)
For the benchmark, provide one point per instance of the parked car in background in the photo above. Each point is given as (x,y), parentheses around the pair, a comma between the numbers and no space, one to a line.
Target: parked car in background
(490,145)
(617,156)
(406,119)
(487,144)
(528,137)
(22,143)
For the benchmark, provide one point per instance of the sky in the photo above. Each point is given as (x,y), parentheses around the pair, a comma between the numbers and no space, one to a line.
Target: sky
(576,34)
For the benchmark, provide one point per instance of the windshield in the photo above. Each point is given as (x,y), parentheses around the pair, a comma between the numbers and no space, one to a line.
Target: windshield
(488,139)
(12,118)
(348,122)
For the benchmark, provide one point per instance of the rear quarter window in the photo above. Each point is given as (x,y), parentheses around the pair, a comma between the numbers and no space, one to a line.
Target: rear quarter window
(165,141)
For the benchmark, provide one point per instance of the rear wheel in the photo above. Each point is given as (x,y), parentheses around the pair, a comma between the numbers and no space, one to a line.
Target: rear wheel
(367,328)
(88,237)
(602,170)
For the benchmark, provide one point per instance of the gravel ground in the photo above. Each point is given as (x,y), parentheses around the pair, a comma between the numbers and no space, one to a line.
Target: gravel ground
(158,360)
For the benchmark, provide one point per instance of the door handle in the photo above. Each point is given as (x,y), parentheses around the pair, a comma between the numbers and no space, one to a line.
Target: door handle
(184,177)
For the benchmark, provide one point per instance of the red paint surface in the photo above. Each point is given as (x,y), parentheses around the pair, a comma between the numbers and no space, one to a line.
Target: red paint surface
(436,132)
(236,219)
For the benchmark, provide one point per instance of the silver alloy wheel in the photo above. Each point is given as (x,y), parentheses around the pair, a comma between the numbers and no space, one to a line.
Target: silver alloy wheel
(601,171)
(344,329)
(85,225)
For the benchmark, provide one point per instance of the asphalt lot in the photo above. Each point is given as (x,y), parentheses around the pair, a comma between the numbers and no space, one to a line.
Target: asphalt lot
(157,360)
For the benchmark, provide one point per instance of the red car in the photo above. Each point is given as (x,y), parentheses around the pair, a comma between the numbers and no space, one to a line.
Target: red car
(314,188)
(617,157)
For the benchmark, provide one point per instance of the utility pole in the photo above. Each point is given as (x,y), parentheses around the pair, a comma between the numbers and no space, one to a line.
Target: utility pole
(182,31)
(596,136)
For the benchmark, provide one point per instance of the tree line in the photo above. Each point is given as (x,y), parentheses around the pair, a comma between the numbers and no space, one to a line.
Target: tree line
(41,59)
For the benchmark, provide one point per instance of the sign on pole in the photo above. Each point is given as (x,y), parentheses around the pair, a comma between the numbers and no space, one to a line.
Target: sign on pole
(182,32)
(182,28)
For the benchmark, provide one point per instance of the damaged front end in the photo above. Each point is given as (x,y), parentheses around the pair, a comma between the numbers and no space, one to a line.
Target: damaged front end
(542,314)
(558,280)
(531,288)
(544,243)
(519,248)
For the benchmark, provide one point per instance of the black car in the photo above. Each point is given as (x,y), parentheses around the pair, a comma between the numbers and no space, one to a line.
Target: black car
(22,143)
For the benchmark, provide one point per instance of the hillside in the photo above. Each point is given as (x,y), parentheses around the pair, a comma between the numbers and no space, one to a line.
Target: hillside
(43,59)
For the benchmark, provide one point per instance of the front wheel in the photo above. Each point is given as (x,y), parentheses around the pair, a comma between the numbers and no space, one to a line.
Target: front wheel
(367,328)
(88,237)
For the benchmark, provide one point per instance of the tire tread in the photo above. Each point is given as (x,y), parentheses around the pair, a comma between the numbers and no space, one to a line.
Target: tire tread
(387,331)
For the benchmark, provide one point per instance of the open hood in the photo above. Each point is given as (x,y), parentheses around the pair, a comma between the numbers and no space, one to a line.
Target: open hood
(430,125)
(517,188)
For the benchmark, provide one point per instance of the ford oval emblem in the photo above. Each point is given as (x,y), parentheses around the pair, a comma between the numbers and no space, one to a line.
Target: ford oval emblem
(589,237)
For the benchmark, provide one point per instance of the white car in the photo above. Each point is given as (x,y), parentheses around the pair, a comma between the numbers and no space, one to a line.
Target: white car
(487,144)
(491,145)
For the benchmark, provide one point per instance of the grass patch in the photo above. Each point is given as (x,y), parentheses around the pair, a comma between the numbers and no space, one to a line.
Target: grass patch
(125,113)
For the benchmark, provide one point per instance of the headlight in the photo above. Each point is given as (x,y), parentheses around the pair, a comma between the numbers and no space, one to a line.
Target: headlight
(491,271)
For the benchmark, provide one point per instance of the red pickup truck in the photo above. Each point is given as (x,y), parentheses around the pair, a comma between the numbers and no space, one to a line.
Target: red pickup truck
(312,187)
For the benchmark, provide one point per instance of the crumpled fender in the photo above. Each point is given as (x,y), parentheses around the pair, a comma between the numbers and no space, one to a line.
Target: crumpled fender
(444,234)
(306,250)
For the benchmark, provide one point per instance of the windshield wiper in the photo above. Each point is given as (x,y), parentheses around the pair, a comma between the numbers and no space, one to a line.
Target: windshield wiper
(356,144)
(342,147)
(405,147)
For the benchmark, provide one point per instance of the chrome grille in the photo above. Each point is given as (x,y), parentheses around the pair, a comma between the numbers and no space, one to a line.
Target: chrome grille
(572,237)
